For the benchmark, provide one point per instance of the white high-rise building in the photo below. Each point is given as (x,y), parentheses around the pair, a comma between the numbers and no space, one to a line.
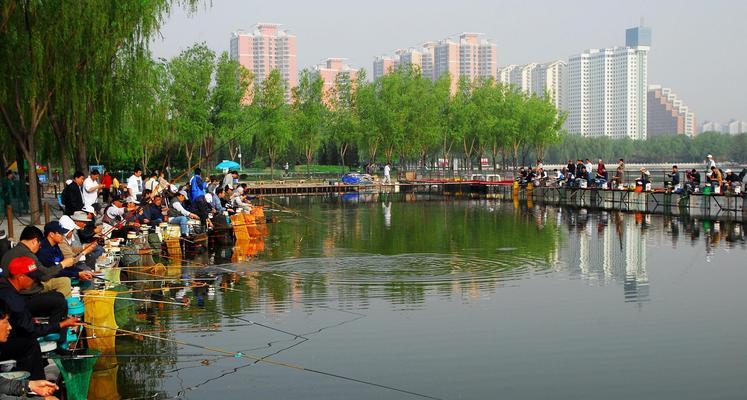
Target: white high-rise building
(737,127)
(538,79)
(551,78)
(711,126)
(607,89)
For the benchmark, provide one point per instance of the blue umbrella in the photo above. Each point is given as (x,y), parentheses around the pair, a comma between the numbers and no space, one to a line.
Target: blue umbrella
(227,164)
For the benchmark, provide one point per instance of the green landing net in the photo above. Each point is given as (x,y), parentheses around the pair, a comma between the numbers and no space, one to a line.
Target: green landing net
(76,372)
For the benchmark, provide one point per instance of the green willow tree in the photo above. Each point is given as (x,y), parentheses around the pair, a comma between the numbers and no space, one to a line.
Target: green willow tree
(344,122)
(191,73)
(274,131)
(59,59)
(309,113)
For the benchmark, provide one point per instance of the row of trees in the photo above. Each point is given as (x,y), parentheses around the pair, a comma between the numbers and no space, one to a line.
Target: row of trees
(70,76)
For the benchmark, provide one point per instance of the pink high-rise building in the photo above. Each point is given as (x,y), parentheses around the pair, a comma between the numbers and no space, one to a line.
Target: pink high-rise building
(329,71)
(470,56)
(264,49)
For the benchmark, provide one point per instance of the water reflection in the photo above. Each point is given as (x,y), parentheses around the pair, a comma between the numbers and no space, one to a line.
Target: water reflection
(347,255)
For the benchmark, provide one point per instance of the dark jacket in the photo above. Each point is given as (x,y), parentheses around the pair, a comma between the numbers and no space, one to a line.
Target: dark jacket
(86,235)
(20,317)
(50,257)
(72,198)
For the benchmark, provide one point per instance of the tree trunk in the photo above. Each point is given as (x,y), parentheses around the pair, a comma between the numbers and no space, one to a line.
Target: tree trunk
(343,150)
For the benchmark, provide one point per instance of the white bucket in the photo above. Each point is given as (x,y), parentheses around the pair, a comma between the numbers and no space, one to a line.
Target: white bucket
(648,187)
(582,184)
(717,189)
(737,189)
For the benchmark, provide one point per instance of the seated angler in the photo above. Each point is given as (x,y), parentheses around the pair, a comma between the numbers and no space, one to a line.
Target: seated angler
(20,388)
(225,199)
(674,179)
(601,176)
(46,279)
(22,344)
(645,178)
(178,215)
(582,177)
(51,256)
(74,245)
(153,211)
(692,180)
(715,179)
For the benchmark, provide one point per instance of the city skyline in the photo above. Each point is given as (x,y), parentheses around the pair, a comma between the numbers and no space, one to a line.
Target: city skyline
(698,63)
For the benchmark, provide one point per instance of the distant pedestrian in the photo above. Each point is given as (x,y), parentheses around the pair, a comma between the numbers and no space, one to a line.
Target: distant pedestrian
(106,182)
(72,195)
(387,173)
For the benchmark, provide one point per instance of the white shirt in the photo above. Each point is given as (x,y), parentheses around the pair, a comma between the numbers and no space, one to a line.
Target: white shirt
(90,191)
(710,163)
(134,185)
(152,185)
(386,170)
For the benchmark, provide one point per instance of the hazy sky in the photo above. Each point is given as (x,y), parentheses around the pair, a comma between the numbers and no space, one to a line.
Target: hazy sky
(699,47)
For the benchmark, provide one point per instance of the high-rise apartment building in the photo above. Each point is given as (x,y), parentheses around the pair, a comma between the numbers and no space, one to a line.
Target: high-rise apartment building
(329,71)
(551,79)
(607,89)
(736,127)
(383,65)
(667,114)
(264,49)
(711,126)
(538,79)
(470,56)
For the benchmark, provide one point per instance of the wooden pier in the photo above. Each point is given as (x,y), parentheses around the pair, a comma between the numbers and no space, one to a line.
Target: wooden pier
(717,206)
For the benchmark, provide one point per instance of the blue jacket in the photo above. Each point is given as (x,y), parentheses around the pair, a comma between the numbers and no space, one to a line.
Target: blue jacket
(50,256)
(197,187)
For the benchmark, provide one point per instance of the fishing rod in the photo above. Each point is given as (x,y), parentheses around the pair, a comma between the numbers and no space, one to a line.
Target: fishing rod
(136,300)
(267,360)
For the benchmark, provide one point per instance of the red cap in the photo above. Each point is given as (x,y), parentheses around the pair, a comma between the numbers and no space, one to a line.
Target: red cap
(21,265)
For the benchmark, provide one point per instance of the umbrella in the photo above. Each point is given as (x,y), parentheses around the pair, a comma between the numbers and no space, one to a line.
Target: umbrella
(227,164)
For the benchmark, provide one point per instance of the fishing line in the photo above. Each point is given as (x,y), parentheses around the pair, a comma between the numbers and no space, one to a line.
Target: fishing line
(267,360)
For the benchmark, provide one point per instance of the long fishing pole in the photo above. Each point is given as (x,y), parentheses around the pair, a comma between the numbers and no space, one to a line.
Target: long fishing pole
(257,359)
(136,300)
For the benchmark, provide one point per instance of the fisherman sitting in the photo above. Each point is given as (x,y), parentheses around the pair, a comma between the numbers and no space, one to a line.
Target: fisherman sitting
(46,278)
(601,177)
(692,182)
(20,388)
(22,345)
(644,180)
(153,211)
(179,215)
(582,178)
(51,256)
(673,184)
(734,181)
(715,179)
(72,245)
(118,220)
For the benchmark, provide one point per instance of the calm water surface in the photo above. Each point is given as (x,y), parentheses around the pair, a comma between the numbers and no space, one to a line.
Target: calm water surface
(455,300)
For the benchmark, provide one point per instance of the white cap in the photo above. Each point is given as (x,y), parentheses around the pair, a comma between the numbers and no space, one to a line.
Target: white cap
(68,223)
(208,197)
(728,171)
(89,209)
(132,200)
(709,156)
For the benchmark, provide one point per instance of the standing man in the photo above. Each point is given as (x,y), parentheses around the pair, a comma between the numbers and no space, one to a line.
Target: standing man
(91,189)
(196,186)
(387,173)
(72,195)
(135,184)
(106,186)
(709,163)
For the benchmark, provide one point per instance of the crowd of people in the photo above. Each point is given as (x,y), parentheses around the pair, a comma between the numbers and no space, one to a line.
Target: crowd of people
(38,274)
(584,174)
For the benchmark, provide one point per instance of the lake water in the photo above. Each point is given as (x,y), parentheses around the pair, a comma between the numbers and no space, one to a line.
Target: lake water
(454,300)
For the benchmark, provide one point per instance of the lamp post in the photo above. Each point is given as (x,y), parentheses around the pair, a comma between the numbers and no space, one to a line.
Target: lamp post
(239,158)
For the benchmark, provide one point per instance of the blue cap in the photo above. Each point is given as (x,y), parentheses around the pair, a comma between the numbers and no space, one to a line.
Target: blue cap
(54,226)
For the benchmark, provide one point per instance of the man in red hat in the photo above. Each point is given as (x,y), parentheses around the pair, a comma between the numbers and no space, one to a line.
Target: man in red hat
(22,312)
